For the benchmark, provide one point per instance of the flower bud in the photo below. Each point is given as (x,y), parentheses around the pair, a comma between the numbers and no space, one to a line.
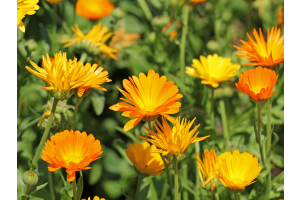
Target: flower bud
(30,45)
(152,37)
(30,178)
(160,20)
(213,45)
(118,13)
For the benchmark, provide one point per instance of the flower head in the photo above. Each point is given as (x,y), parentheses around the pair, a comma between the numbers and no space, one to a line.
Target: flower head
(122,39)
(208,170)
(194,2)
(148,97)
(280,16)
(71,150)
(94,9)
(144,160)
(25,7)
(213,69)
(258,83)
(173,141)
(94,77)
(95,198)
(54,1)
(261,53)
(236,171)
(93,42)
(62,77)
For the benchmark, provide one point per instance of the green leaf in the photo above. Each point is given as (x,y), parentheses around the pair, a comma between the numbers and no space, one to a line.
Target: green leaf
(127,133)
(21,187)
(79,187)
(34,112)
(98,103)
(36,188)
(64,195)
(95,173)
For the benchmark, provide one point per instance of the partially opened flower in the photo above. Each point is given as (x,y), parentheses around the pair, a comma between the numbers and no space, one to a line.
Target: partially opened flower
(236,171)
(208,170)
(258,83)
(93,42)
(122,39)
(62,76)
(173,141)
(71,150)
(263,53)
(94,9)
(54,1)
(94,77)
(144,160)
(148,96)
(25,7)
(194,2)
(95,198)
(213,69)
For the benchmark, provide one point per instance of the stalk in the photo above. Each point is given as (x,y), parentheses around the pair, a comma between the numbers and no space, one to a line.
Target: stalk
(74,190)
(236,196)
(145,9)
(197,185)
(212,115)
(52,194)
(46,132)
(258,134)
(83,57)
(183,42)
(75,112)
(268,148)
(167,171)
(175,177)
(137,192)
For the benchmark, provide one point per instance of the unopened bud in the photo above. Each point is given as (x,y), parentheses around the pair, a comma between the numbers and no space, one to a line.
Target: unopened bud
(160,20)
(30,45)
(213,45)
(118,13)
(152,37)
(30,178)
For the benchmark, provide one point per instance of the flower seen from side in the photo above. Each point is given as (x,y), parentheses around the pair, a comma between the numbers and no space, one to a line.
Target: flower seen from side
(258,83)
(62,76)
(93,42)
(144,160)
(25,7)
(54,1)
(263,53)
(71,150)
(95,198)
(208,170)
(237,170)
(173,141)
(94,9)
(121,39)
(147,97)
(194,2)
(213,69)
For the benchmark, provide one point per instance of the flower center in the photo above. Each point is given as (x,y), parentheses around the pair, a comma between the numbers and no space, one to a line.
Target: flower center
(73,158)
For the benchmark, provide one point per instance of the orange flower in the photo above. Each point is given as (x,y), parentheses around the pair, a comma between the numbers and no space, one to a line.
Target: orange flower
(94,9)
(148,97)
(261,53)
(280,16)
(71,150)
(258,83)
(144,161)
(173,34)
(194,2)
(122,39)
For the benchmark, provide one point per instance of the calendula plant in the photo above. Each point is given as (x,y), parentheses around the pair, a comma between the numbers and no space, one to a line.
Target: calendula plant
(198,86)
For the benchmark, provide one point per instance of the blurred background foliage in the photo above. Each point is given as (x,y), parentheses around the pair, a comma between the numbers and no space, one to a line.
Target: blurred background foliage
(112,176)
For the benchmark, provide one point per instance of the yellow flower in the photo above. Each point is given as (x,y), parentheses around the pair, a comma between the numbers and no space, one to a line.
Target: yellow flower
(208,170)
(213,69)
(95,198)
(236,171)
(93,41)
(144,160)
(148,96)
(62,77)
(261,53)
(93,79)
(25,7)
(54,1)
(173,141)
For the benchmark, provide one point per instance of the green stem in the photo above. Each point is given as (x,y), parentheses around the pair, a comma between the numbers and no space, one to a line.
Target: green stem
(149,125)
(212,115)
(217,194)
(145,9)
(167,171)
(137,192)
(46,132)
(236,196)
(75,112)
(249,16)
(183,43)
(224,120)
(63,179)
(83,57)
(175,177)
(268,148)
(74,190)
(258,134)
(52,194)
(27,192)
(54,18)
(184,172)
(197,186)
